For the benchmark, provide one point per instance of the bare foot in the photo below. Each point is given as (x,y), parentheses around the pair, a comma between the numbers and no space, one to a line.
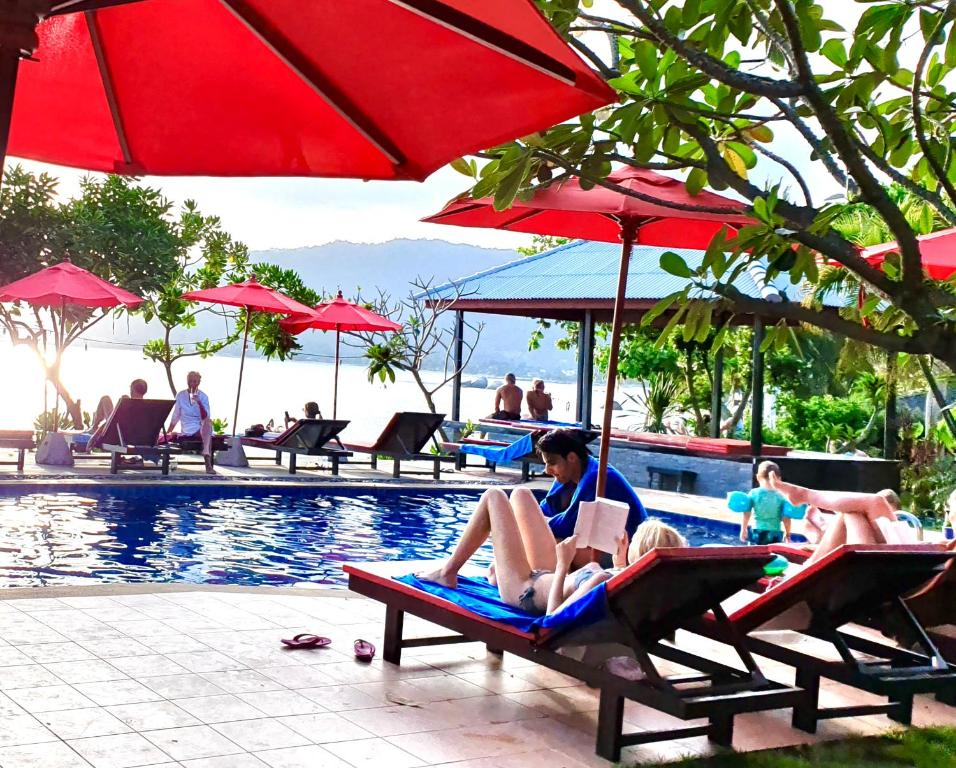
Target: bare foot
(449,580)
(795,494)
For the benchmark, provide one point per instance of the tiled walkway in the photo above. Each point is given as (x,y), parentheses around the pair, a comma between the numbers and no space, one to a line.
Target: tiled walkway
(199,679)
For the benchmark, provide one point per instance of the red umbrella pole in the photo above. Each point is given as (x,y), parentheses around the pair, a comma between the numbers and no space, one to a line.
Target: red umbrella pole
(242,364)
(627,234)
(335,386)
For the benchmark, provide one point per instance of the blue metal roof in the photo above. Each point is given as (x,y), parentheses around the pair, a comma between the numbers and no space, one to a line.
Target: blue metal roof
(587,270)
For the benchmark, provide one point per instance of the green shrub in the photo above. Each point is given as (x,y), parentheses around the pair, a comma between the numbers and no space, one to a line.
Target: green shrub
(812,423)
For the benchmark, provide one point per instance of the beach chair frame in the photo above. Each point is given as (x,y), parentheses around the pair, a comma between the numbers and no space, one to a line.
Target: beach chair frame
(461,458)
(392,444)
(152,450)
(286,443)
(19,440)
(852,585)
(714,691)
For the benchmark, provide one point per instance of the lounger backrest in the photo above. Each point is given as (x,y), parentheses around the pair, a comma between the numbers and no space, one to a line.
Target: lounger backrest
(310,433)
(668,587)
(408,432)
(136,422)
(850,583)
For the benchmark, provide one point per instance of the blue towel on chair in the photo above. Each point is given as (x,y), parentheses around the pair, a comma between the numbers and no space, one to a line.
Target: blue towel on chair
(482,598)
(500,454)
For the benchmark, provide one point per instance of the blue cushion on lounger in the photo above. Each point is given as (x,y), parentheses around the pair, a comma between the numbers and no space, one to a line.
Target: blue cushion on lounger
(501,454)
(482,598)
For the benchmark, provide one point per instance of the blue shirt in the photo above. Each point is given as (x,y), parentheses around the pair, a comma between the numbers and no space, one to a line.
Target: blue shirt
(562,522)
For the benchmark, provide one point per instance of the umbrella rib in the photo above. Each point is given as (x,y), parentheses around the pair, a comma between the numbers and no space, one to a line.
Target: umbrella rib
(489,37)
(107,80)
(82,6)
(276,42)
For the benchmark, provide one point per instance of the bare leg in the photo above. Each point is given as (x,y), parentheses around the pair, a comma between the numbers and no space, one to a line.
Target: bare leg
(535,531)
(834,536)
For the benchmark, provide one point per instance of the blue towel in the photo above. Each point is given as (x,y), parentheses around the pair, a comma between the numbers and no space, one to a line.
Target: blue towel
(482,598)
(500,454)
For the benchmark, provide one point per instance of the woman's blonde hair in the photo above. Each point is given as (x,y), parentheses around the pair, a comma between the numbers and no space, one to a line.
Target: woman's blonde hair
(951,509)
(651,534)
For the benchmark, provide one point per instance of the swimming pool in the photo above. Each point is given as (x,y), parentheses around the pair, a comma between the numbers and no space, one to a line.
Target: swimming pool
(218,534)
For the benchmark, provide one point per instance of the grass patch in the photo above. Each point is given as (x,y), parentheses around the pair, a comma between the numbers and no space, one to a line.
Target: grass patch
(913,748)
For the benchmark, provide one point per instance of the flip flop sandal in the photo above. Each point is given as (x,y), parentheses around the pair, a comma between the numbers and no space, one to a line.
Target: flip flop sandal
(364,650)
(307,640)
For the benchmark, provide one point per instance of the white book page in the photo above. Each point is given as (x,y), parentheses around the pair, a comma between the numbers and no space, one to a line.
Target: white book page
(608,523)
(585,523)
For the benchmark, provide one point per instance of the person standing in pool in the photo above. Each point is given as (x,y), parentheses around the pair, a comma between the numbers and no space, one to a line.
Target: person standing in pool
(575,471)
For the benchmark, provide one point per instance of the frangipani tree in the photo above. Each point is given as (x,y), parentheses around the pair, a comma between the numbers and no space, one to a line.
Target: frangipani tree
(786,103)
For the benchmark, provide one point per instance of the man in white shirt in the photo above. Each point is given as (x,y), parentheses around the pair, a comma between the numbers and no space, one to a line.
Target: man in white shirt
(192,413)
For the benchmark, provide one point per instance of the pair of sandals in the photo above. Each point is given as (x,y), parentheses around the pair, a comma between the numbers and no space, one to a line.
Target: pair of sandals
(363,649)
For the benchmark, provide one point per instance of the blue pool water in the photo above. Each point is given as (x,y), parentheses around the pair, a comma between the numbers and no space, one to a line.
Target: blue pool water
(216,534)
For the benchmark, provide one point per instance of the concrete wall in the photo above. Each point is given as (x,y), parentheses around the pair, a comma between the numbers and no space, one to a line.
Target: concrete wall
(715,477)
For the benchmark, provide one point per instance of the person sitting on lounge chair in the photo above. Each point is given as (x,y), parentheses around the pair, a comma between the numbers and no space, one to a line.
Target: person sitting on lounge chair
(311,411)
(192,413)
(105,408)
(857,514)
(508,400)
(522,540)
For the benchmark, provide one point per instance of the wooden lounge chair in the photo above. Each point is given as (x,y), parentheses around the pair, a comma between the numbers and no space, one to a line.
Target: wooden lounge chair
(133,429)
(803,621)
(404,439)
(307,437)
(19,440)
(643,605)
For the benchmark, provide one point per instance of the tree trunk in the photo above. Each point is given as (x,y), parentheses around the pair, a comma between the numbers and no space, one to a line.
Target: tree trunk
(737,415)
(428,399)
(700,428)
(72,406)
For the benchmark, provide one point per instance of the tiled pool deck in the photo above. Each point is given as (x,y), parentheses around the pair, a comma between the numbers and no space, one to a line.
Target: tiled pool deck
(200,679)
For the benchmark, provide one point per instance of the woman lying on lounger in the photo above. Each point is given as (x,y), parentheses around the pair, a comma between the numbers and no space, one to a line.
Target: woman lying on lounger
(530,570)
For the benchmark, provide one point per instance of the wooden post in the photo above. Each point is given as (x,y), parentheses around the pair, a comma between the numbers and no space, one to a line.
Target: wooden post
(459,359)
(717,393)
(756,394)
(585,369)
(627,235)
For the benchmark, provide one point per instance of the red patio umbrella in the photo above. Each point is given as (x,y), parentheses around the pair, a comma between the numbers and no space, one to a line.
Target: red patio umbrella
(567,210)
(62,285)
(252,296)
(937,253)
(373,89)
(339,315)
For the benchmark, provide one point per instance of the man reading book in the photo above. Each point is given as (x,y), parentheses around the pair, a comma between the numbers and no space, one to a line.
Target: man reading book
(568,460)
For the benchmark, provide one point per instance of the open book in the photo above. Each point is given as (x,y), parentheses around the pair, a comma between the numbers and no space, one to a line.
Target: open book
(601,523)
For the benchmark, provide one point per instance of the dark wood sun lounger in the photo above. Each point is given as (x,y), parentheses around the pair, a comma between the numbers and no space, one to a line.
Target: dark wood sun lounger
(803,622)
(133,429)
(647,603)
(404,439)
(307,437)
(19,440)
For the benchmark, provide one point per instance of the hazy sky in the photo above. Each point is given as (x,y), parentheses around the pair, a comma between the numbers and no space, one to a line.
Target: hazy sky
(287,213)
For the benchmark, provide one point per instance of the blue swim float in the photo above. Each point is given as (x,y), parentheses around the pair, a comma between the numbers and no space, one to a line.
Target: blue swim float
(738,501)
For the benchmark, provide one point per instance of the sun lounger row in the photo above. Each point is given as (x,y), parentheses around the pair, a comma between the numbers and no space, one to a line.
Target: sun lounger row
(704,446)
(694,590)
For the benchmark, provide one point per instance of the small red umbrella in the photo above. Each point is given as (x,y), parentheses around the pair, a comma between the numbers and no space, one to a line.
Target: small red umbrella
(62,285)
(660,212)
(937,253)
(373,89)
(252,296)
(65,283)
(339,315)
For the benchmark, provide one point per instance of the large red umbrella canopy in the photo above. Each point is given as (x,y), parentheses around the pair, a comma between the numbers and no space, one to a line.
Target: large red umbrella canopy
(252,296)
(937,253)
(65,283)
(374,89)
(339,315)
(566,210)
(659,212)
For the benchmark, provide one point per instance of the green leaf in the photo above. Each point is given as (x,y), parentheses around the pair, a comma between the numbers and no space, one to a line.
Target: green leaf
(662,306)
(463,167)
(645,53)
(675,265)
(696,180)
(835,52)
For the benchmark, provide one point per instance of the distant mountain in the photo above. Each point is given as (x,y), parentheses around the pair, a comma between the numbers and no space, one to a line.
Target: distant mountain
(391,266)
